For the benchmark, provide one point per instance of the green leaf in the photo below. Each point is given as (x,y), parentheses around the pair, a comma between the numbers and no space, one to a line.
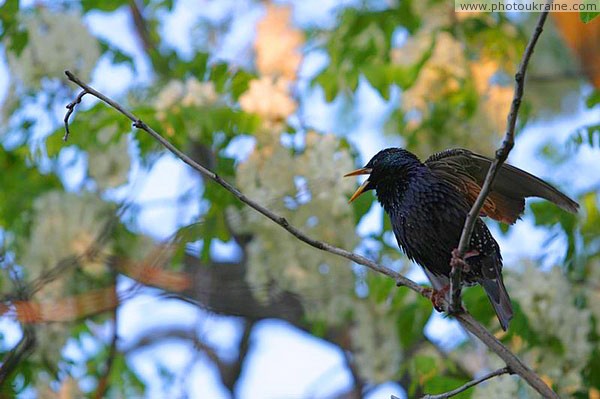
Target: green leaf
(9,15)
(425,365)
(411,321)
(20,188)
(361,43)
(104,5)
(548,214)
(382,76)
(478,305)
(593,99)
(12,33)
(520,326)
(180,69)
(380,288)
(116,55)
(125,379)
(240,82)
(587,16)
(387,223)
(220,76)
(18,41)
(441,383)
(591,372)
(9,10)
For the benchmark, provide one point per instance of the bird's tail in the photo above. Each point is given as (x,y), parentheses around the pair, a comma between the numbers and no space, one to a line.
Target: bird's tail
(496,292)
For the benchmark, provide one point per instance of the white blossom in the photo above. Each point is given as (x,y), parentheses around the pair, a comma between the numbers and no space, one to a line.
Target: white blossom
(277,261)
(169,95)
(504,386)
(56,41)
(441,74)
(63,225)
(188,93)
(199,93)
(592,292)
(375,341)
(109,167)
(548,301)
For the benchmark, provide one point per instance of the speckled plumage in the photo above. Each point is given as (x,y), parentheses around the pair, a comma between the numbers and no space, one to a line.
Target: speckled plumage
(427,215)
(428,202)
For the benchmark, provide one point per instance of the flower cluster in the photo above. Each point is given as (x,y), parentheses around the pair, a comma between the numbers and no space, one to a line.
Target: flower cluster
(444,70)
(548,301)
(191,93)
(464,95)
(592,292)
(55,40)
(504,386)
(308,190)
(375,341)
(109,167)
(64,225)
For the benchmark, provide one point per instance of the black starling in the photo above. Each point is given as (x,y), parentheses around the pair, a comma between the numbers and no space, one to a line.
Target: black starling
(427,203)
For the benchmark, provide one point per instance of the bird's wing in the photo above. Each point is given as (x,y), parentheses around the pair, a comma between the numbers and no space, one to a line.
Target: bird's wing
(506,202)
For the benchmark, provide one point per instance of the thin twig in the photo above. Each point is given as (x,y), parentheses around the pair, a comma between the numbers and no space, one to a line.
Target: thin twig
(454,392)
(501,155)
(511,360)
(71,107)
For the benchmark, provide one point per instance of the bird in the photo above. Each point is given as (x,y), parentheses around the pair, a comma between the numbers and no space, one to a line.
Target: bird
(428,202)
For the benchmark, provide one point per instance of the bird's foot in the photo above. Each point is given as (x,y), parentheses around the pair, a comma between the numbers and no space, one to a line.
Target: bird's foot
(437,297)
(460,262)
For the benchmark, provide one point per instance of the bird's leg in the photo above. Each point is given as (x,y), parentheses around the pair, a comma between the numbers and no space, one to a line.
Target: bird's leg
(459,265)
(438,297)
(457,261)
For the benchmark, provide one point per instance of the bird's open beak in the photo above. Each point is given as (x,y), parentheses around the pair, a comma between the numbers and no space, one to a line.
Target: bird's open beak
(361,189)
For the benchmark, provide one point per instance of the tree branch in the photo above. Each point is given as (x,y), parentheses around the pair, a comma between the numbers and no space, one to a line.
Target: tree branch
(508,143)
(17,354)
(511,360)
(141,28)
(27,342)
(280,220)
(454,392)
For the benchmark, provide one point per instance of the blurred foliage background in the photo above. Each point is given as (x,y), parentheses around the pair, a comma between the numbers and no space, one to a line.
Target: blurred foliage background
(271,96)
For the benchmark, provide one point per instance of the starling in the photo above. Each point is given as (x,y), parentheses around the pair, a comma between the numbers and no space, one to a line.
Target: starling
(427,203)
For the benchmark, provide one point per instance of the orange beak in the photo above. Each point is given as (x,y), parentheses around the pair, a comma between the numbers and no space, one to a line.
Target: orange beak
(361,189)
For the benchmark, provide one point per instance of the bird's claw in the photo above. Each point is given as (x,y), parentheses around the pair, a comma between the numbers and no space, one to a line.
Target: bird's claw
(460,262)
(437,297)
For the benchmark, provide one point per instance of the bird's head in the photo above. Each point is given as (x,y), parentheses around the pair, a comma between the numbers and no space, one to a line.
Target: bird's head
(386,165)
